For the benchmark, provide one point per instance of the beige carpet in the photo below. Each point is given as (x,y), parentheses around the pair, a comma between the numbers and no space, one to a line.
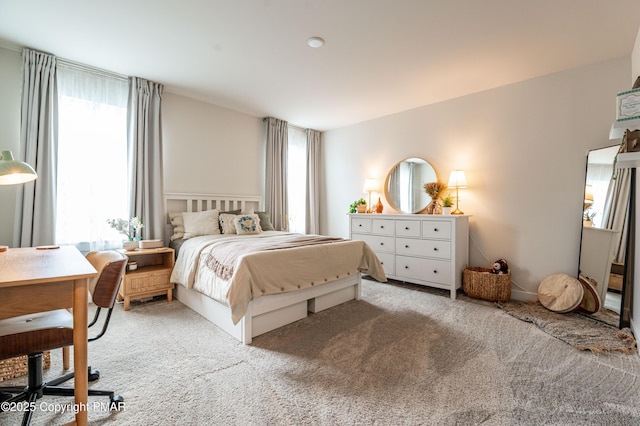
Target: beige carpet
(399,356)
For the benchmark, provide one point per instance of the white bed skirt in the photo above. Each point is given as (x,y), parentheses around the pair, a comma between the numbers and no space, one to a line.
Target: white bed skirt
(267,313)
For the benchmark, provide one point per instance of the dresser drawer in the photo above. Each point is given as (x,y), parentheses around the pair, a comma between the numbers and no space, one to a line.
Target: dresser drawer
(436,271)
(382,227)
(388,261)
(423,248)
(361,225)
(378,243)
(436,229)
(408,228)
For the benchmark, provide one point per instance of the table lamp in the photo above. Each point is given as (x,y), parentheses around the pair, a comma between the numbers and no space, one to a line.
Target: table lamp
(457,180)
(370,185)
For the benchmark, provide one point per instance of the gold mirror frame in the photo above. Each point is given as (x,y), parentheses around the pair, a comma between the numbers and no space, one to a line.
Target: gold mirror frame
(409,176)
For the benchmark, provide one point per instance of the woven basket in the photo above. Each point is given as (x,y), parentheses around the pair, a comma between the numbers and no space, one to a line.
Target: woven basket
(480,283)
(16,367)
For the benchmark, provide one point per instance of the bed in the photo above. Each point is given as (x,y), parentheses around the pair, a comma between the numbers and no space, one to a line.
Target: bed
(249,283)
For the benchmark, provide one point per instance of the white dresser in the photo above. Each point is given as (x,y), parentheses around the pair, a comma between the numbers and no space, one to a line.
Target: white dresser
(431,250)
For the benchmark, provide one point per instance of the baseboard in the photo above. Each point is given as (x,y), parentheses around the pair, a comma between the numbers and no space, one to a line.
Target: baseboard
(524,296)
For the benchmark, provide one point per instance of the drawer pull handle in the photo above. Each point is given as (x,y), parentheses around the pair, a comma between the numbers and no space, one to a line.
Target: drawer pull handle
(435,249)
(382,263)
(360,225)
(406,228)
(381,244)
(435,229)
(406,246)
(435,272)
(381,226)
(406,267)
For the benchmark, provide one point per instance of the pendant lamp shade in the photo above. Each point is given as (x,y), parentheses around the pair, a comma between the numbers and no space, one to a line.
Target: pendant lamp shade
(13,172)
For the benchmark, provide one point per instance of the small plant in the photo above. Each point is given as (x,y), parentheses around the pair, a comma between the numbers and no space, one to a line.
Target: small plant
(354,206)
(588,216)
(447,201)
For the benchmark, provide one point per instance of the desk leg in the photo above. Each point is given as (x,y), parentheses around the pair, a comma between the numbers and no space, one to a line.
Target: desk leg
(80,336)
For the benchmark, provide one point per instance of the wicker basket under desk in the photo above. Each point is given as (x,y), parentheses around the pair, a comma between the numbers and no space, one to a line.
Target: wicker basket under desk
(480,283)
(16,367)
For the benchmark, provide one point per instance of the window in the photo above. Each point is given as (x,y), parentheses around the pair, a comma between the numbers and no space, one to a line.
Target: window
(297,179)
(92,157)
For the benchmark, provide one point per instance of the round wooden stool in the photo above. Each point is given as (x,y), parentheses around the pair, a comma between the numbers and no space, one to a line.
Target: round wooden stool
(591,302)
(560,293)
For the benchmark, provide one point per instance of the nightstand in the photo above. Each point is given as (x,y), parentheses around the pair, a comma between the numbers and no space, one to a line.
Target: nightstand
(151,278)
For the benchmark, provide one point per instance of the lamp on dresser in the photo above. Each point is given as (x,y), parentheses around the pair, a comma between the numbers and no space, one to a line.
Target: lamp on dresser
(457,180)
(370,185)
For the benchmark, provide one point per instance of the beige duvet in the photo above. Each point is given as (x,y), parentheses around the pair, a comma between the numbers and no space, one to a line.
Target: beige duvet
(270,272)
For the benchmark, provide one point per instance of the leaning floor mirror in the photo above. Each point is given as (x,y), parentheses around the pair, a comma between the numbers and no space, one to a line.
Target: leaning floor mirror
(605,230)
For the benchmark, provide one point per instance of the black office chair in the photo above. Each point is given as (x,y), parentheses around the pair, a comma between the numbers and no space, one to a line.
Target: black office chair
(36,333)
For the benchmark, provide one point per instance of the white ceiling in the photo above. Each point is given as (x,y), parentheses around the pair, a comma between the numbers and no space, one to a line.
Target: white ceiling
(380,56)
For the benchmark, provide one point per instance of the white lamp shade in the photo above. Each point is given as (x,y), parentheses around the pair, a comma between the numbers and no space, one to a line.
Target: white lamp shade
(371,185)
(457,179)
(14,172)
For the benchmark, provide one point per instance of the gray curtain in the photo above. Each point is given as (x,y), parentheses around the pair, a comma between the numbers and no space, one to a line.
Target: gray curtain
(312,215)
(36,201)
(276,172)
(144,141)
(616,210)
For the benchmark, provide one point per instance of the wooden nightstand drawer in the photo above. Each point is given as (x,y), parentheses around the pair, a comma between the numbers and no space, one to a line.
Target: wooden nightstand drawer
(143,282)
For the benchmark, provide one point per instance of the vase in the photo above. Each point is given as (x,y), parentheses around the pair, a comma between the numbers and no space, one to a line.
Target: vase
(447,210)
(379,207)
(361,208)
(433,207)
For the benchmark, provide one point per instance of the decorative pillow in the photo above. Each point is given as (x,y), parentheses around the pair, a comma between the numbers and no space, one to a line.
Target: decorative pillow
(226,223)
(230,212)
(247,224)
(200,223)
(178,225)
(265,221)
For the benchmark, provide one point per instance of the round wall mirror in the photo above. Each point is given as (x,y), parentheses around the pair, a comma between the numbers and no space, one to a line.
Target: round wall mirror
(404,185)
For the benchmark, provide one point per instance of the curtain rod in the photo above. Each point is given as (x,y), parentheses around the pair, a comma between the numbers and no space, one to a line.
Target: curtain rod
(89,68)
(290,125)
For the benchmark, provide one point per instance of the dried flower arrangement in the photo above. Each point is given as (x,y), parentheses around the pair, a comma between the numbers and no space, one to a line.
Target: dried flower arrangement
(435,189)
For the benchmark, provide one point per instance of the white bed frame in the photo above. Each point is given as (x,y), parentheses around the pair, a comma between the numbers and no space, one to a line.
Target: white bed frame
(265,313)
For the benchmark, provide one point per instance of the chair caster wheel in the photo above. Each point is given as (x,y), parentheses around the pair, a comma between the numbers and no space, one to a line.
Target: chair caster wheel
(93,375)
(116,402)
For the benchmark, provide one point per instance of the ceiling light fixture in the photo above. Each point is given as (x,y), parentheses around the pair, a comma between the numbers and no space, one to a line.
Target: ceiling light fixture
(315,42)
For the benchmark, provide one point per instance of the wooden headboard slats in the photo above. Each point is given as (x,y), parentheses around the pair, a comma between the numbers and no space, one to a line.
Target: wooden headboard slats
(193,202)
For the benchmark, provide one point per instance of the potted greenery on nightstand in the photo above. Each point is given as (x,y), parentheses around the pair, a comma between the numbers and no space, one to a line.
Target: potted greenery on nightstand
(358,206)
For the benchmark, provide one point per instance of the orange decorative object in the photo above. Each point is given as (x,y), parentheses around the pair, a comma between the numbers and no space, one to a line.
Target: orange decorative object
(379,206)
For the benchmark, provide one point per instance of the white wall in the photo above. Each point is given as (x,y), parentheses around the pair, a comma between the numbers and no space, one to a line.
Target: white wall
(523,149)
(10,83)
(210,149)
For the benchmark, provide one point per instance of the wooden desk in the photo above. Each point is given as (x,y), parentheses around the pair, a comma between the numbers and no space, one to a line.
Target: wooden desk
(43,280)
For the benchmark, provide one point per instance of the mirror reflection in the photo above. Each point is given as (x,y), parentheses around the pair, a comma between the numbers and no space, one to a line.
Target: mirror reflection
(403,187)
(604,218)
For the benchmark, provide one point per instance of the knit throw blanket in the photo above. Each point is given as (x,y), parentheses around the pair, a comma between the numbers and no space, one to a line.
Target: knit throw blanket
(221,257)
